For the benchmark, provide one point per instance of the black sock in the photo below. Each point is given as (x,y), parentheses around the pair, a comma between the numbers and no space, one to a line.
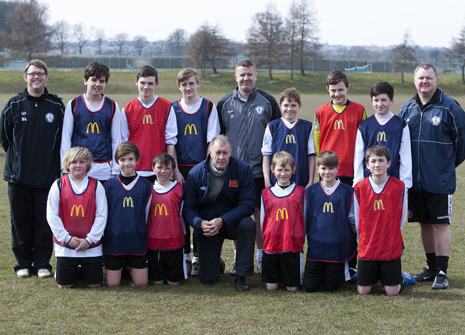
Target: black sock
(431,261)
(442,263)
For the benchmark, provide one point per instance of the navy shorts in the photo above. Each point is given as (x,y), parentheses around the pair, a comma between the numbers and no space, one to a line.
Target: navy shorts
(116,262)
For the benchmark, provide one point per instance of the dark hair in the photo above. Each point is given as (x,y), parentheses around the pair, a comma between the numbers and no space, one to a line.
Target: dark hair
(426,66)
(335,77)
(327,158)
(164,159)
(97,70)
(378,150)
(147,71)
(126,148)
(290,93)
(383,87)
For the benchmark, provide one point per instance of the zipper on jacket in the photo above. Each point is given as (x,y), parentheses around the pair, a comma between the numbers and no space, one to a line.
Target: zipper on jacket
(418,151)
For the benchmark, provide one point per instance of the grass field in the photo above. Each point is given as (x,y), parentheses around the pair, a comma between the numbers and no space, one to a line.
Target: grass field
(39,306)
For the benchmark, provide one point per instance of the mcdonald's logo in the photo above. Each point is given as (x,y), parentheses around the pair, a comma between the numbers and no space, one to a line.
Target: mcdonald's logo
(92,127)
(381,137)
(190,126)
(77,208)
(328,207)
(282,211)
(378,206)
(127,202)
(339,124)
(160,210)
(147,119)
(290,139)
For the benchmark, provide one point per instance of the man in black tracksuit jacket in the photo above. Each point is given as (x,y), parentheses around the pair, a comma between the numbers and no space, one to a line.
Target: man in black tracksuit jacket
(31,124)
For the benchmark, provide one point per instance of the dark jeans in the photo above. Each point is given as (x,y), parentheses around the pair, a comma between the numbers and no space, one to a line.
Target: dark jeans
(210,251)
(32,239)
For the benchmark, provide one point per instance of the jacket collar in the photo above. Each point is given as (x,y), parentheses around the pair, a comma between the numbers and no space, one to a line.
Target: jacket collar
(251,96)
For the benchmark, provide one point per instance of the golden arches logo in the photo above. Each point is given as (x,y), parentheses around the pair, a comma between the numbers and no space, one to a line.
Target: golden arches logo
(381,137)
(147,119)
(127,202)
(378,205)
(328,207)
(92,126)
(290,138)
(190,126)
(339,124)
(283,213)
(77,208)
(160,210)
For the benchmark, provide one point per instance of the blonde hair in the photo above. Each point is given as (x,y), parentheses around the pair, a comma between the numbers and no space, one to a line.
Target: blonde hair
(75,154)
(282,158)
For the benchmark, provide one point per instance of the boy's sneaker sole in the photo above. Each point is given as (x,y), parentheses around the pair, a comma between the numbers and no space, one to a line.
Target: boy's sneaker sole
(408,279)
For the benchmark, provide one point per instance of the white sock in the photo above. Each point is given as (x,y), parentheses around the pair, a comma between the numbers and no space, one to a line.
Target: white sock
(187,257)
(195,260)
(234,255)
(259,254)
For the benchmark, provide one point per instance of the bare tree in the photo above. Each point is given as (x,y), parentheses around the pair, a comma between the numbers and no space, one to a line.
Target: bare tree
(61,34)
(177,42)
(403,54)
(360,53)
(291,35)
(308,46)
(29,33)
(119,42)
(157,48)
(455,56)
(100,34)
(140,43)
(81,35)
(266,37)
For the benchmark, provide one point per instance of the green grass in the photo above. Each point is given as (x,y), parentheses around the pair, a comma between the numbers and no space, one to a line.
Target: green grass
(38,306)
(122,82)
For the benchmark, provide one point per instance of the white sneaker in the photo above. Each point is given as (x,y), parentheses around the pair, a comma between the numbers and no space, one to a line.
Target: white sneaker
(22,273)
(259,267)
(43,273)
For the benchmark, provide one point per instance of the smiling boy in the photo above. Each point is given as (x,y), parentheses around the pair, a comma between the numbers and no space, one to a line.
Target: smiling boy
(386,129)
(92,120)
(293,135)
(336,124)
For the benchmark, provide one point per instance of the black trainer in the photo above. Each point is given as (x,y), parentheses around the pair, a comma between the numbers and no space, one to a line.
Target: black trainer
(441,281)
(425,275)
(240,284)
(222,266)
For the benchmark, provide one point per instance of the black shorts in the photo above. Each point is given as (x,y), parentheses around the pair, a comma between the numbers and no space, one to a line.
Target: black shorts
(67,270)
(331,274)
(167,264)
(428,207)
(369,272)
(285,268)
(259,187)
(116,262)
(184,169)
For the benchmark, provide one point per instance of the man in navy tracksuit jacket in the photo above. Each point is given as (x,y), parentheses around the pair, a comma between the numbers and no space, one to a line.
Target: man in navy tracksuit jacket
(219,198)
(437,124)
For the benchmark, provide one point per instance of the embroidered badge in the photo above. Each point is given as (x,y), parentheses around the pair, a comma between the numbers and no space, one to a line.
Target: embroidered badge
(233,183)
(49,117)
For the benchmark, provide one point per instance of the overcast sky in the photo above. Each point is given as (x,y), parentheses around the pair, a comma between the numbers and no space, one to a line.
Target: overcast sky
(356,22)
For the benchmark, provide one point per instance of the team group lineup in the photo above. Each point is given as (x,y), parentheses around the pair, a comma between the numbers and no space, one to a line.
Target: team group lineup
(121,189)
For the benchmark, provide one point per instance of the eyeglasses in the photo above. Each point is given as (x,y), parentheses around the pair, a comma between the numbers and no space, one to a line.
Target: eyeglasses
(38,74)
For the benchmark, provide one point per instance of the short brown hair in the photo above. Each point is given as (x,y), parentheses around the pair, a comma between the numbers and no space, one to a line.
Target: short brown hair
(164,159)
(426,66)
(246,63)
(290,93)
(185,74)
(335,77)
(96,69)
(147,71)
(282,158)
(126,148)
(327,158)
(378,150)
(38,63)
(76,153)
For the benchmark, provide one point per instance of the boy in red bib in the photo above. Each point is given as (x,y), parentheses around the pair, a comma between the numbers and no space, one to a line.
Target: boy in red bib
(77,215)
(165,230)
(380,207)
(283,227)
